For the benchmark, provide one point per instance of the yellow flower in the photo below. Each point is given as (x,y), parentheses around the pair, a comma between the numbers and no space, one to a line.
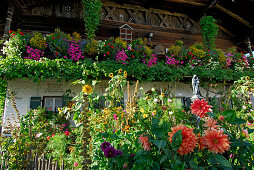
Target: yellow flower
(142,110)
(247,78)
(59,110)
(120,71)
(87,89)
(145,115)
(125,74)
(162,94)
(126,128)
(111,75)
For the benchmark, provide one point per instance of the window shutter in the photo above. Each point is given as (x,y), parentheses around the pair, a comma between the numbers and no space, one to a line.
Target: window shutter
(35,102)
(64,102)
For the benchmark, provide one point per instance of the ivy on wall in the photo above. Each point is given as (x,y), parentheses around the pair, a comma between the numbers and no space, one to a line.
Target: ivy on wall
(209,31)
(3,85)
(92,16)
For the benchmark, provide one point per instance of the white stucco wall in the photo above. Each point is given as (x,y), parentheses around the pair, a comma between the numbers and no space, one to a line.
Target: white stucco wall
(24,89)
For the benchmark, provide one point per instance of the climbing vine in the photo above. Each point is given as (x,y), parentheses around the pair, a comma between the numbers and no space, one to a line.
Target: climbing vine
(209,31)
(92,16)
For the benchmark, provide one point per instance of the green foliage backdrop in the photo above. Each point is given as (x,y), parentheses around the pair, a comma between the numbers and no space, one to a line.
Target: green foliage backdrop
(62,69)
(3,85)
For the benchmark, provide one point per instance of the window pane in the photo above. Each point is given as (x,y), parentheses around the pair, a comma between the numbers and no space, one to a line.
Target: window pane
(49,104)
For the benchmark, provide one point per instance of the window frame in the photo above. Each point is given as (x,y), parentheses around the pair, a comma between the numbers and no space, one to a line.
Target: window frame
(54,109)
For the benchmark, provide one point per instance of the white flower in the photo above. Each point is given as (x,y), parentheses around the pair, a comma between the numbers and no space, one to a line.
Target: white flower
(153,89)
(155,100)
(141,88)
(244,107)
(38,135)
(169,100)
(170,112)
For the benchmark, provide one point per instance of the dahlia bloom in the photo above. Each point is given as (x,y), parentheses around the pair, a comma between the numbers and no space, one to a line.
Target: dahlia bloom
(216,141)
(221,118)
(110,152)
(189,139)
(211,123)
(145,142)
(200,108)
(105,145)
(201,142)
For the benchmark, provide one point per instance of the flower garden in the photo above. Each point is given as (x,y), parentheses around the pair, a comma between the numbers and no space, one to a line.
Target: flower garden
(152,129)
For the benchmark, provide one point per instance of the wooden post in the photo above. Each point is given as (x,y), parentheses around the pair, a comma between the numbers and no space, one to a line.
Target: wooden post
(36,161)
(49,164)
(43,162)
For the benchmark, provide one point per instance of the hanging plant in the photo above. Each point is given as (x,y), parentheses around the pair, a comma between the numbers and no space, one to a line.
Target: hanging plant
(209,31)
(92,16)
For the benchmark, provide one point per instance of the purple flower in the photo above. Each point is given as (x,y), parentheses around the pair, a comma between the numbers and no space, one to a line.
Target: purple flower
(110,152)
(105,145)
(119,152)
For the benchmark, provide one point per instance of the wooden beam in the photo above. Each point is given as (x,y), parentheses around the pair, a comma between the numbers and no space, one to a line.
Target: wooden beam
(226,31)
(186,2)
(233,15)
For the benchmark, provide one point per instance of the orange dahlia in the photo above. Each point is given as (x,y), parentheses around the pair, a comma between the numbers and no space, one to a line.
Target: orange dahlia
(211,123)
(201,142)
(189,139)
(200,108)
(145,142)
(216,141)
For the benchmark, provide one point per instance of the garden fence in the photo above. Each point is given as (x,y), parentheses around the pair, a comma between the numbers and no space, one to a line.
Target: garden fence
(38,163)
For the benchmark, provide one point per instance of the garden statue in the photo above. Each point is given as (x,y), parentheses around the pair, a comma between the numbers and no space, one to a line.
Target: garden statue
(195,88)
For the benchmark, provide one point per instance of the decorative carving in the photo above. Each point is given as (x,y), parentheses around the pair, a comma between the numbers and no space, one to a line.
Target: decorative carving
(151,17)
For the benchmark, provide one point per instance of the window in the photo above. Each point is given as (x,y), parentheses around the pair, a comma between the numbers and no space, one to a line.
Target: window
(52,103)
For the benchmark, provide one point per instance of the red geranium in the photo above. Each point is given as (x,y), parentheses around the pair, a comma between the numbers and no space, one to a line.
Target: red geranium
(67,133)
(21,33)
(200,108)
(56,53)
(107,53)
(10,31)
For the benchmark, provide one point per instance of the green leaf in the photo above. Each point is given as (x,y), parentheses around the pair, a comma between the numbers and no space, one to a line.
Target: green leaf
(223,161)
(177,140)
(238,121)
(230,115)
(159,143)
(76,115)
(164,159)
(78,106)
(217,158)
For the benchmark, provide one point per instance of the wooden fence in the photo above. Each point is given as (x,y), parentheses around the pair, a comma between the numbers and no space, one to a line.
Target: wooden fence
(37,163)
